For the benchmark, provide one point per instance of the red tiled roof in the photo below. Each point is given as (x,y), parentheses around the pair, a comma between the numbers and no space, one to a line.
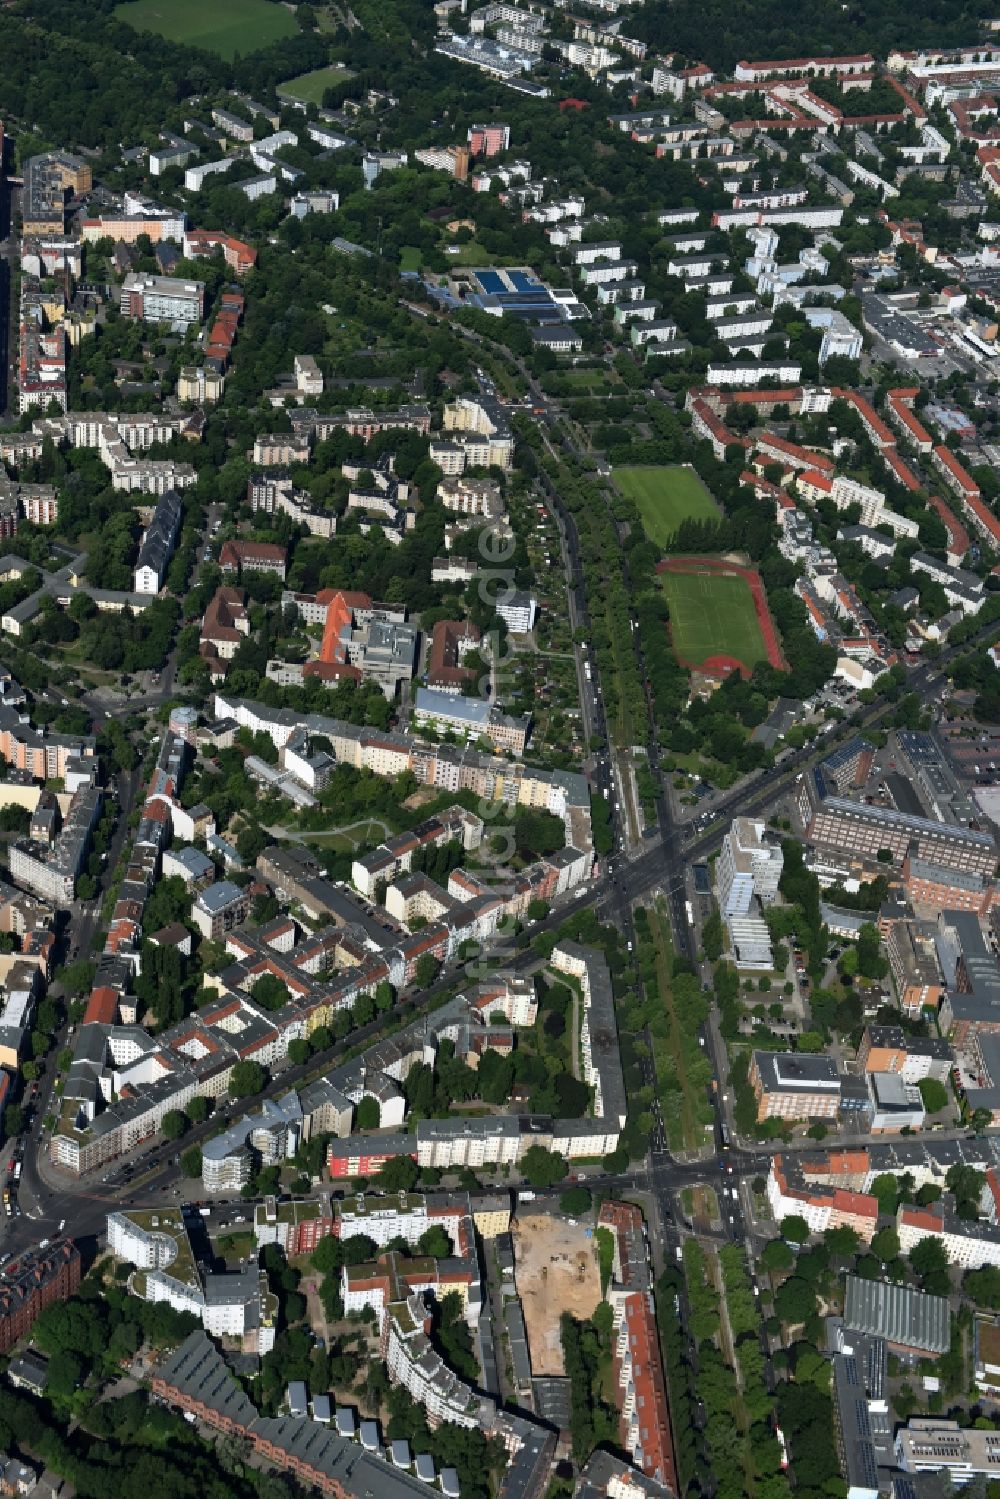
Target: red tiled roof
(102,1007)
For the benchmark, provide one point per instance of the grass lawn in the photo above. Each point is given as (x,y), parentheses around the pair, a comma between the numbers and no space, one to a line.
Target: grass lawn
(409,258)
(665,497)
(309,88)
(712,615)
(222,26)
(593,380)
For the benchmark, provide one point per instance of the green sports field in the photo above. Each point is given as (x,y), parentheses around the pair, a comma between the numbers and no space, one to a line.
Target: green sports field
(712,615)
(221,26)
(309,88)
(666,496)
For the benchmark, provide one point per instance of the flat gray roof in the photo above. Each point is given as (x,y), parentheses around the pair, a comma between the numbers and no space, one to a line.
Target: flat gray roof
(900,1314)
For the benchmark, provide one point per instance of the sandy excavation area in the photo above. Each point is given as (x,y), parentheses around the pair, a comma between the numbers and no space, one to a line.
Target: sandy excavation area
(555,1271)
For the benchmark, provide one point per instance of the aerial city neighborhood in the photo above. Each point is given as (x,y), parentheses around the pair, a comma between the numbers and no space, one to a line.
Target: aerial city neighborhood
(499,751)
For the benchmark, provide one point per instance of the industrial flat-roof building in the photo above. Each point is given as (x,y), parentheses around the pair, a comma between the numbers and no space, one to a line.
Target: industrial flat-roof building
(859,831)
(795,1086)
(909,1320)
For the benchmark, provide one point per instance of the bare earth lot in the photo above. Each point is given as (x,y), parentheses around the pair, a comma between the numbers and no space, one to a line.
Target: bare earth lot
(555,1272)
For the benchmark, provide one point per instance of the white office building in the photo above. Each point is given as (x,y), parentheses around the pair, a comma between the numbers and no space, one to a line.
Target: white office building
(747,867)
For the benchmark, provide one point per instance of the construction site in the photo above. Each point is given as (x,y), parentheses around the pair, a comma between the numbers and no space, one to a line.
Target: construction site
(555,1271)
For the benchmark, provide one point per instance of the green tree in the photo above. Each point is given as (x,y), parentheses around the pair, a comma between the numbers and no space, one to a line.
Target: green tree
(398,1175)
(246,1079)
(777,1255)
(576,1201)
(934,1094)
(368,1114)
(794,1228)
(929,1262)
(886,1189)
(426,970)
(434,1242)
(385,997)
(542,1168)
(885,1244)
(191,1163)
(795,1300)
(713,937)
(198,1109)
(842,1242)
(175,1124)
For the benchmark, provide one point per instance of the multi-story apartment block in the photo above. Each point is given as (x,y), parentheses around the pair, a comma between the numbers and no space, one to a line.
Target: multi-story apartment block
(38,1279)
(239,256)
(162,299)
(47,180)
(158,544)
(200,385)
(280,450)
(483,419)
(220,908)
(888,1048)
(138,216)
(50,869)
(471,717)
(488,140)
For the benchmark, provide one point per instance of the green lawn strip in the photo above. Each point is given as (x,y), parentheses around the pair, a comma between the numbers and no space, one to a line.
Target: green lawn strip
(666,496)
(226,27)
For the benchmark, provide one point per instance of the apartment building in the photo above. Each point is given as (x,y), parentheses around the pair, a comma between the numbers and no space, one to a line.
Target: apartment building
(518,610)
(50,869)
(224,626)
(480,427)
(158,543)
(47,180)
(280,450)
(197,1380)
(472,718)
(241,557)
(888,1048)
(488,140)
(969,1245)
(239,256)
(850,764)
(161,299)
(37,752)
(38,1278)
(200,385)
(451,641)
(793,1192)
(220,908)
(914,964)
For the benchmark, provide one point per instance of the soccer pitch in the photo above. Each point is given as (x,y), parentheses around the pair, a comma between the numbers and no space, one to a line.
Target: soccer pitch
(712,614)
(221,26)
(666,496)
